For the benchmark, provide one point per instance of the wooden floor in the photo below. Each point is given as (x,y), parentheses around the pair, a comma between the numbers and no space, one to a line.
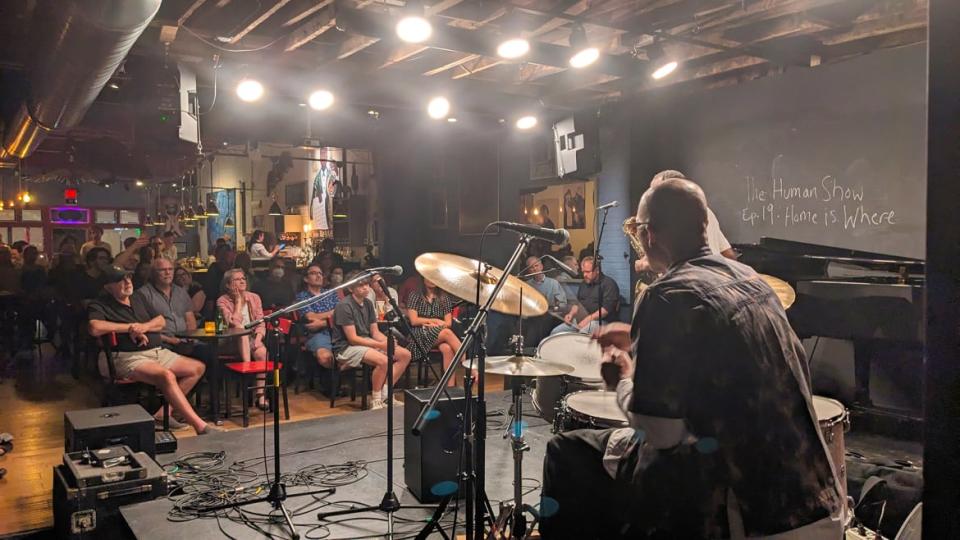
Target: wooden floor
(32,404)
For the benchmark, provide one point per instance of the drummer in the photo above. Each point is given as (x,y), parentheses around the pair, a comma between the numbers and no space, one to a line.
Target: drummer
(723,441)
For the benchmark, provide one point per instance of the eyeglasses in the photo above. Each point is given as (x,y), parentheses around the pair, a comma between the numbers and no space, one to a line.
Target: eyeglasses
(164,269)
(239,279)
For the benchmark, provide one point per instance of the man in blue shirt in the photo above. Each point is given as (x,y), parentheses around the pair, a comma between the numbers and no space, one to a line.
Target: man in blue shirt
(318,316)
(537,328)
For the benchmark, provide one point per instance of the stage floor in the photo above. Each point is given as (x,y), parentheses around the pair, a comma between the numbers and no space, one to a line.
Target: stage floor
(337,440)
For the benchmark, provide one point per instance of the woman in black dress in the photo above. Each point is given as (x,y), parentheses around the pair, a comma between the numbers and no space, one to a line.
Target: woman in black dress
(431,314)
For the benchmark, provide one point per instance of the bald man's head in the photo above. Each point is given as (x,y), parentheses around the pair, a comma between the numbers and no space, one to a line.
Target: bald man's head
(665,175)
(675,214)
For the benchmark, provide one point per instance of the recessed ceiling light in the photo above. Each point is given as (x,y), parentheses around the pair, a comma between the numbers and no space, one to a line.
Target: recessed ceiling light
(249,90)
(439,107)
(526,122)
(321,100)
(513,48)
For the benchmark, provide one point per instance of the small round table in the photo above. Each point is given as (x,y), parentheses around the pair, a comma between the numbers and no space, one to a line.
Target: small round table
(213,375)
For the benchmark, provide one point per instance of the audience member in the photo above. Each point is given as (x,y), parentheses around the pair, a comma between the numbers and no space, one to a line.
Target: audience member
(318,316)
(141,275)
(9,275)
(239,307)
(139,355)
(33,277)
(258,250)
(377,294)
(329,246)
(94,240)
(224,256)
(431,314)
(275,290)
(167,249)
(357,339)
(89,284)
(183,278)
(539,327)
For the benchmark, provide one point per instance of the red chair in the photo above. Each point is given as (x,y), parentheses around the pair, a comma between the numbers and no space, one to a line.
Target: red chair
(247,372)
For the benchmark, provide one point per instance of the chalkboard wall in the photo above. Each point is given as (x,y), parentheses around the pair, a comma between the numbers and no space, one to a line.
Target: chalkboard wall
(833,155)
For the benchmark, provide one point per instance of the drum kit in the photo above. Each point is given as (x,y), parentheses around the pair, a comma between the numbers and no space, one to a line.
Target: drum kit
(568,389)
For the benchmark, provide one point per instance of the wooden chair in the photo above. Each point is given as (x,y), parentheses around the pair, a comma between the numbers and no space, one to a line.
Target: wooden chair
(119,391)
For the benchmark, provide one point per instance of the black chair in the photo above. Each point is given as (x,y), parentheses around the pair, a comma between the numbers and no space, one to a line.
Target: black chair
(120,391)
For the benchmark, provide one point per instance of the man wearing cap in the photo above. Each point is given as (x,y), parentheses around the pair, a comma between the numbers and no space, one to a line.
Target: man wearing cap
(139,355)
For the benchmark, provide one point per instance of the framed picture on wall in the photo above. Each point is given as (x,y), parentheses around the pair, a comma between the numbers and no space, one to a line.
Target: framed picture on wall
(31,215)
(574,206)
(438,207)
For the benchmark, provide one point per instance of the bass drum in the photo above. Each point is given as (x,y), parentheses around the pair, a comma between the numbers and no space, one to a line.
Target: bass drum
(573,349)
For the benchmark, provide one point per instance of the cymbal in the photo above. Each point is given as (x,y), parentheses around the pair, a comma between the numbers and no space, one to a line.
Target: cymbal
(458,276)
(524,366)
(783,289)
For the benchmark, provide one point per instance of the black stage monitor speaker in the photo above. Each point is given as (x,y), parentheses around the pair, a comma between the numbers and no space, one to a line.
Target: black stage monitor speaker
(577,141)
(109,426)
(430,460)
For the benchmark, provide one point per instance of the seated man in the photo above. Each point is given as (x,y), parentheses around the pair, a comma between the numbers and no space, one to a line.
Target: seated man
(318,316)
(723,439)
(357,339)
(539,327)
(598,297)
(139,355)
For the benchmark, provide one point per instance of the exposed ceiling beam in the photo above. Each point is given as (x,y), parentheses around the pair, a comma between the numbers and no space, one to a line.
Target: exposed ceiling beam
(258,21)
(411,51)
(306,13)
(190,11)
(308,31)
(480,42)
(354,44)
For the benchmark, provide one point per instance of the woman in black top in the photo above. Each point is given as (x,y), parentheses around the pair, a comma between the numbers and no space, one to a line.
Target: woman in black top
(431,315)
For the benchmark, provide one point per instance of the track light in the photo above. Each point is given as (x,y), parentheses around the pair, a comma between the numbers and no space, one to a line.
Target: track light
(526,122)
(228,222)
(321,100)
(661,65)
(275,209)
(413,27)
(249,90)
(439,107)
(582,54)
(513,47)
(212,209)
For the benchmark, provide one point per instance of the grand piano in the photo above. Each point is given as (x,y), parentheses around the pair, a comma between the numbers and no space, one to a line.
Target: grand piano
(871,299)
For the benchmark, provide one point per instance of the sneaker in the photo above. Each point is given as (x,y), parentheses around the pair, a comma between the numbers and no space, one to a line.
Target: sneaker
(397,403)
(175,425)
(211,428)
(376,403)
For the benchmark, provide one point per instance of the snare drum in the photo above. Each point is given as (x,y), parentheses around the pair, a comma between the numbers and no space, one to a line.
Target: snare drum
(834,421)
(574,349)
(590,409)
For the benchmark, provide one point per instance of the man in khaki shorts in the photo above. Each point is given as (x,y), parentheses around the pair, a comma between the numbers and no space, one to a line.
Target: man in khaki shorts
(357,340)
(139,355)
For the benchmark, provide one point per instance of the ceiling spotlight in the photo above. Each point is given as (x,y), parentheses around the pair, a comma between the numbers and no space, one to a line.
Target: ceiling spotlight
(302,104)
(452,120)
(413,27)
(439,107)
(249,90)
(582,53)
(526,122)
(661,65)
(513,48)
(139,183)
(113,85)
(321,100)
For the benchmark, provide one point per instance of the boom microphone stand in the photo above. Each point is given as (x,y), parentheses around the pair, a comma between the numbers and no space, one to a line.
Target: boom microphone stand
(473,449)
(278,491)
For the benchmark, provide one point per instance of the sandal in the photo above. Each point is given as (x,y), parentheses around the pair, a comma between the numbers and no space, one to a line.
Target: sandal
(262,403)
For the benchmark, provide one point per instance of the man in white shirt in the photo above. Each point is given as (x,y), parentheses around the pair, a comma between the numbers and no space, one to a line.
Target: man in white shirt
(168,250)
(715,239)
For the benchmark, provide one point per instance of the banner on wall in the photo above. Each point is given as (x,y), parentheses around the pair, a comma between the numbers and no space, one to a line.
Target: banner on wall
(223,225)
(321,192)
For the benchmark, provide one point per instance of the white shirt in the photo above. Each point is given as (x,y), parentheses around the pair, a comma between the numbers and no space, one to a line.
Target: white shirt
(715,239)
(259,251)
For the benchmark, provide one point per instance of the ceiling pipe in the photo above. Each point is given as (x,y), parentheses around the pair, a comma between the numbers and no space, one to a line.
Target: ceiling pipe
(77,46)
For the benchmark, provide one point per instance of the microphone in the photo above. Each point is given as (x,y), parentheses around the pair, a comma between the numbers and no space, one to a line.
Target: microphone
(392,270)
(563,268)
(612,204)
(554,236)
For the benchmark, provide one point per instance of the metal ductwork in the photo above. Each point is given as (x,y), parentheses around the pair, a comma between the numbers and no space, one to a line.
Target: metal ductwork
(79,44)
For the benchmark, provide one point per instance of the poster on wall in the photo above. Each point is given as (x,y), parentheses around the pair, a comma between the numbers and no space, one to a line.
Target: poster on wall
(223,225)
(320,195)
(574,207)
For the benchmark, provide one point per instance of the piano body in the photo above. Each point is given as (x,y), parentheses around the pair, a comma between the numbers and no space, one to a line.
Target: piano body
(873,300)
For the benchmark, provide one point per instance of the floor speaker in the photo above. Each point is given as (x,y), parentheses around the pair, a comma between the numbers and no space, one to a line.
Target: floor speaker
(430,461)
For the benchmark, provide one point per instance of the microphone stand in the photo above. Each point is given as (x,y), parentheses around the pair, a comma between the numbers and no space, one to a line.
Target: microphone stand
(278,491)
(597,265)
(473,446)
(389,503)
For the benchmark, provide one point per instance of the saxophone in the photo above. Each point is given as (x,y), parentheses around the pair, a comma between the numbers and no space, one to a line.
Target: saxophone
(630,231)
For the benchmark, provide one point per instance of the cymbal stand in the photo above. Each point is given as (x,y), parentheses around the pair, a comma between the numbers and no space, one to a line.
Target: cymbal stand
(473,445)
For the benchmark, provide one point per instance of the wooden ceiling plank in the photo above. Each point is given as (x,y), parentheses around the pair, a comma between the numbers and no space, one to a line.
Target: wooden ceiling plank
(258,21)
(190,11)
(306,13)
(310,30)
(458,62)
(407,51)
(354,44)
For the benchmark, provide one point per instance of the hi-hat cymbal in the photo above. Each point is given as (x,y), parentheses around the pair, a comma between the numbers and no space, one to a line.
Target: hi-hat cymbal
(524,366)
(458,276)
(783,289)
